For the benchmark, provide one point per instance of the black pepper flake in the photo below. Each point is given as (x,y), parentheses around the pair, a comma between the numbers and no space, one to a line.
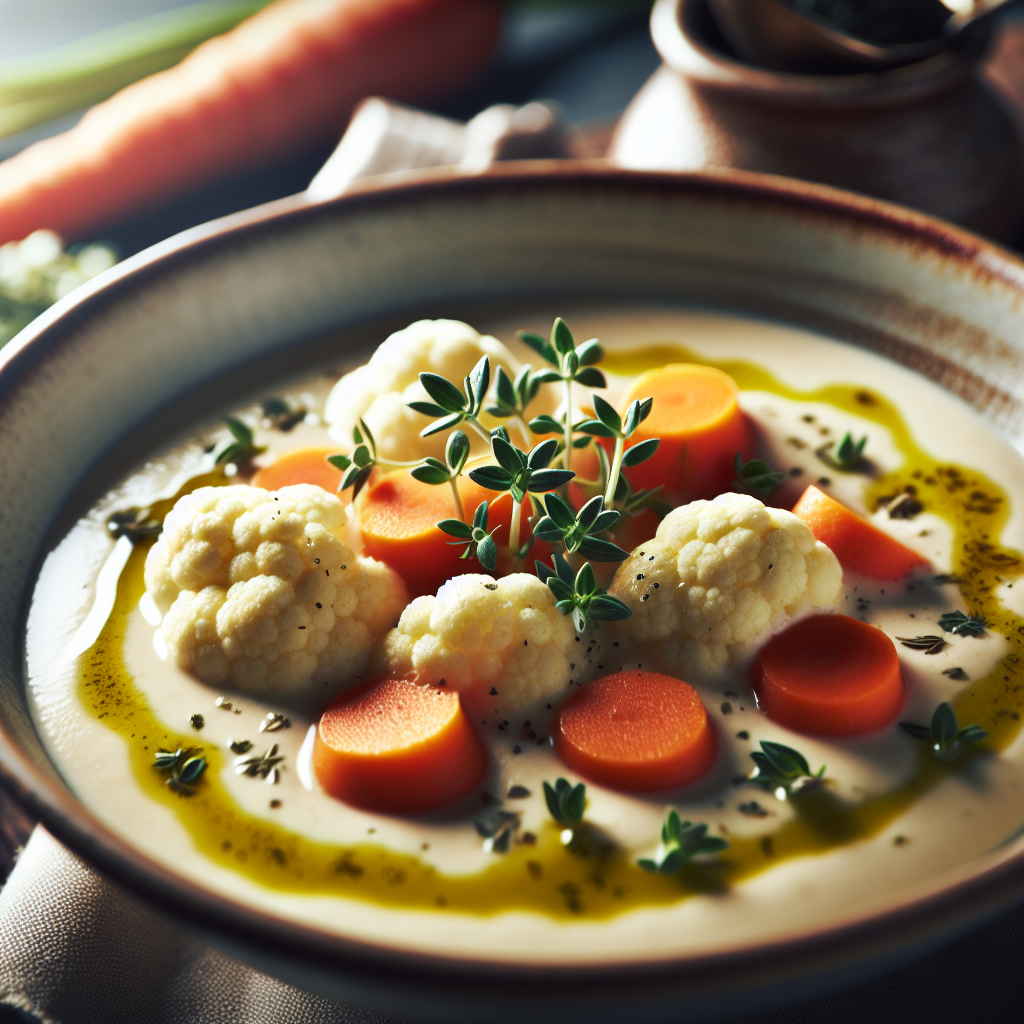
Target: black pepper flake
(344,567)
(657,586)
(639,575)
(726,708)
(526,643)
(490,586)
(316,561)
(494,692)
(743,735)
(197,721)
(274,804)
(319,605)
(302,627)
(899,840)
(517,749)
(518,793)
(646,597)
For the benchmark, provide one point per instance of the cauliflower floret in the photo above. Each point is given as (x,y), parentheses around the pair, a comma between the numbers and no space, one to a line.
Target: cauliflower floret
(259,591)
(379,391)
(502,644)
(718,578)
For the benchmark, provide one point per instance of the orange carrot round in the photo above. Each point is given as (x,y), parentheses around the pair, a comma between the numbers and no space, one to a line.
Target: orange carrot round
(701,426)
(857,544)
(635,730)
(283,81)
(829,675)
(397,519)
(300,466)
(398,748)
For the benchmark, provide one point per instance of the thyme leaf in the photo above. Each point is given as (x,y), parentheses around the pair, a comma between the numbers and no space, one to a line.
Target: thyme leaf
(183,768)
(966,625)
(847,456)
(756,475)
(783,771)
(566,802)
(281,415)
(264,766)
(944,734)
(579,594)
(680,841)
(477,542)
(240,446)
(580,532)
(928,644)
(134,523)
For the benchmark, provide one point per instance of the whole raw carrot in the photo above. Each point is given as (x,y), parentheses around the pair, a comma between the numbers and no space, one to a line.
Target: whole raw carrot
(285,79)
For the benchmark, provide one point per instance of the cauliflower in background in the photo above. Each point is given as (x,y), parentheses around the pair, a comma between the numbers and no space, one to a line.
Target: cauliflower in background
(259,591)
(481,635)
(718,578)
(379,391)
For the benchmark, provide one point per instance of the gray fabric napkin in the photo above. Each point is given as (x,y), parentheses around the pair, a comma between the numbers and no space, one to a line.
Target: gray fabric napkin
(76,950)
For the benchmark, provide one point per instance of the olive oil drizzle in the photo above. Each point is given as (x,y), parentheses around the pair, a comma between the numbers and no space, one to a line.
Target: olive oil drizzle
(591,878)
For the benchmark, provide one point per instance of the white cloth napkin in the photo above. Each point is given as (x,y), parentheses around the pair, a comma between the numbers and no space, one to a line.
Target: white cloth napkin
(76,950)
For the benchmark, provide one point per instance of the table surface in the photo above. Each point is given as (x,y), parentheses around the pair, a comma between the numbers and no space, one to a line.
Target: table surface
(591,62)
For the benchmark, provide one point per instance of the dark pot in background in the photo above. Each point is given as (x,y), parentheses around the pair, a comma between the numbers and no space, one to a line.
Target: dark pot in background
(931,135)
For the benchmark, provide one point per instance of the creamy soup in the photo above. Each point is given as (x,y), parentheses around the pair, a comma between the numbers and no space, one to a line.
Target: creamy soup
(891,818)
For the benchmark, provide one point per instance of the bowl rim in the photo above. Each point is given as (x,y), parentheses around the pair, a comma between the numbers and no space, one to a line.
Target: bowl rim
(951,902)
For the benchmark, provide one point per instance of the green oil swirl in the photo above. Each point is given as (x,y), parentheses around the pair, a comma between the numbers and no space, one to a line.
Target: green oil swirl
(591,878)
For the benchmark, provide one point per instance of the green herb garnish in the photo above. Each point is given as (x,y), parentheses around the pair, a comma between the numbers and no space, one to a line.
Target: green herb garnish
(609,425)
(680,841)
(566,802)
(944,734)
(929,644)
(434,471)
(240,447)
(281,415)
(183,767)
(783,771)
(264,766)
(579,531)
(847,456)
(134,523)
(571,364)
(511,397)
(756,475)
(453,406)
(965,625)
(479,544)
(579,594)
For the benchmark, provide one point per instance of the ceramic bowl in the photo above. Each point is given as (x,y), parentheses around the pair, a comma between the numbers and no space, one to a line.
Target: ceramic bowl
(139,350)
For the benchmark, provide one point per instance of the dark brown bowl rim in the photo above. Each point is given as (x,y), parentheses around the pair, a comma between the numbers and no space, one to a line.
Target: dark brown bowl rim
(966,901)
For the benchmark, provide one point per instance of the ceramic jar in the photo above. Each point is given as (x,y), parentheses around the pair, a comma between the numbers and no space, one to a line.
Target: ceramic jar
(931,135)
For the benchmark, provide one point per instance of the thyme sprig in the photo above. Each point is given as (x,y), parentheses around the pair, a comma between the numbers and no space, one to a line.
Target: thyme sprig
(566,802)
(479,544)
(434,471)
(497,827)
(453,406)
(944,734)
(929,644)
(962,625)
(579,595)
(579,532)
(520,474)
(264,766)
(847,456)
(357,467)
(183,767)
(570,364)
(610,425)
(239,447)
(783,771)
(756,475)
(680,841)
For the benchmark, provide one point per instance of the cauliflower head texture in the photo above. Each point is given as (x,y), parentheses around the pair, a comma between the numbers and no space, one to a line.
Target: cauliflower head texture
(718,578)
(380,390)
(259,592)
(482,635)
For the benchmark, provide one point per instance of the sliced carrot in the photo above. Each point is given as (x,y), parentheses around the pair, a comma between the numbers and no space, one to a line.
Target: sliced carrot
(300,466)
(829,675)
(284,81)
(398,516)
(856,543)
(636,730)
(701,426)
(398,748)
